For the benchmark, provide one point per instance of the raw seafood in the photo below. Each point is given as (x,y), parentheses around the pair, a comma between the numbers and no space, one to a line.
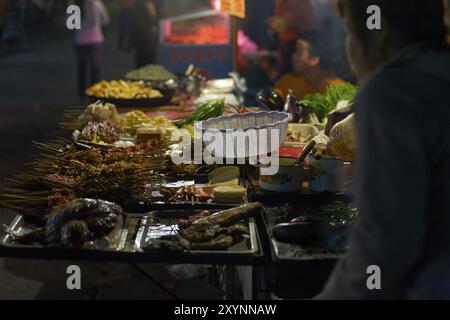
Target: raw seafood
(221,242)
(228,217)
(76,222)
(184,223)
(200,234)
(166,244)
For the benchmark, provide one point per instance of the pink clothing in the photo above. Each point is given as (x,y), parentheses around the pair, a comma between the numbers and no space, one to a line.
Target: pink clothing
(93,19)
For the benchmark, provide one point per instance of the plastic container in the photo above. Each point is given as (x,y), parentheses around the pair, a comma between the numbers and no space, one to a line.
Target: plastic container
(257,125)
(289,177)
(305,130)
(327,174)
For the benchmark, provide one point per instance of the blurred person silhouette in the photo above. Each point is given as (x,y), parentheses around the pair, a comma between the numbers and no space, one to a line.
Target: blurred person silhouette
(4,9)
(89,42)
(402,177)
(308,76)
(140,30)
(292,18)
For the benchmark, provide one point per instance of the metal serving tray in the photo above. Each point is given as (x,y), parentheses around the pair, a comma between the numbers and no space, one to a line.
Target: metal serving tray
(127,248)
(142,228)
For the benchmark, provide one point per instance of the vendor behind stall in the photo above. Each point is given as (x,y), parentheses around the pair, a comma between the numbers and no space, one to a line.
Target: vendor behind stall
(308,76)
(403,154)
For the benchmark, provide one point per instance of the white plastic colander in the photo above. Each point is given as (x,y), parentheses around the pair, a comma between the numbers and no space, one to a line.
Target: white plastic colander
(252,132)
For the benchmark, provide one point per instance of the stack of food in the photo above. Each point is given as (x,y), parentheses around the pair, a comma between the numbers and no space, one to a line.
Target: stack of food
(120,175)
(132,120)
(120,89)
(101,124)
(99,133)
(75,223)
(151,72)
(98,112)
(229,194)
(119,159)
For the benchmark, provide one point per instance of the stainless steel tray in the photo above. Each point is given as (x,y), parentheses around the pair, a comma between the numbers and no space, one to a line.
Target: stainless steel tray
(127,243)
(142,228)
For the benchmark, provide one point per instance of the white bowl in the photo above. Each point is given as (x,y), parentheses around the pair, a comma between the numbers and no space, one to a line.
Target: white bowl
(248,123)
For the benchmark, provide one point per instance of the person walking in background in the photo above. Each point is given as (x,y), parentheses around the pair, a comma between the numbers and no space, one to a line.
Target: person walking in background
(140,30)
(126,18)
(88,42)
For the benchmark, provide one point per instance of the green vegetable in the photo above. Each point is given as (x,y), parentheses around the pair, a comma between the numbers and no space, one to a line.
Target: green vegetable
(208,110)
(339,211)
(322,104)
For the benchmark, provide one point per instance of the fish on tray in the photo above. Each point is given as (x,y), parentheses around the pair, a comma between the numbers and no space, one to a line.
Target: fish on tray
(74,223)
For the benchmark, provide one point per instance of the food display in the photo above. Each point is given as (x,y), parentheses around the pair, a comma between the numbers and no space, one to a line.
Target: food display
(75,223)
(299,134)
(297,137)
(120,89)
(151,72)
(210,109)
(112,190)
(99,112)
(132,120)
(321,104)
(229,194)
(220,230)
(147,133)
(97,132)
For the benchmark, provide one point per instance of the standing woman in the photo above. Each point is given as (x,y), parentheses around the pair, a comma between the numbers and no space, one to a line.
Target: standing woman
(89,41)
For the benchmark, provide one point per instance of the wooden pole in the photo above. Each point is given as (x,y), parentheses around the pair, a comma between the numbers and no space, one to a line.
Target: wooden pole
(234,42)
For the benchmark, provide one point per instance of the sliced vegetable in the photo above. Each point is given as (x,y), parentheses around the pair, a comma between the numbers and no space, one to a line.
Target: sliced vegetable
(208,110)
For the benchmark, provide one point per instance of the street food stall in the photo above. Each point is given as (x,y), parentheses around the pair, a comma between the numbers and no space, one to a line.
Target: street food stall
(109,190)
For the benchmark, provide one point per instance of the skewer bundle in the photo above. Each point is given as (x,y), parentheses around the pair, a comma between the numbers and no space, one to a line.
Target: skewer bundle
(64,170)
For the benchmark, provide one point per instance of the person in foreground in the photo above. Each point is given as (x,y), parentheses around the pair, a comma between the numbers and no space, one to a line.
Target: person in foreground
(403,159)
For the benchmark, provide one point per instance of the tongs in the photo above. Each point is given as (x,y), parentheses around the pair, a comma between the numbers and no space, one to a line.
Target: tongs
(306,151)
